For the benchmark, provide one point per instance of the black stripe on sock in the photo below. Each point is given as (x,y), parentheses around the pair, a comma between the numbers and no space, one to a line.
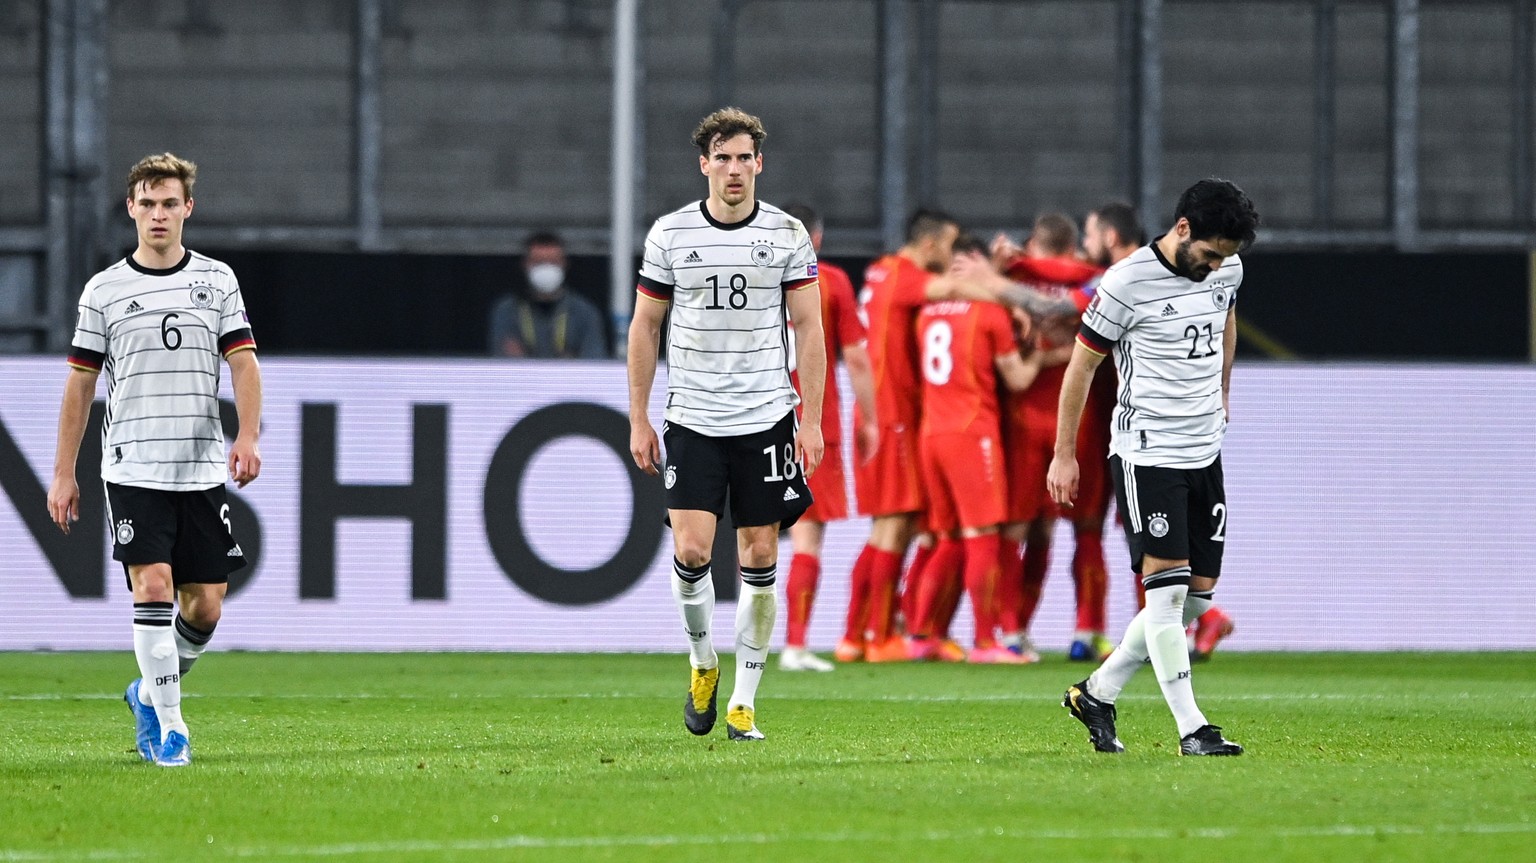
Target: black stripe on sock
(1208,595)
(192,633)
(1167,578)
(692,575)
(760,576)
(153,613)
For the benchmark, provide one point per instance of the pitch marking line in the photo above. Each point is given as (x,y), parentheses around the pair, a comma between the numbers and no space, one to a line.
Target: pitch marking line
(938,699)
(427,846)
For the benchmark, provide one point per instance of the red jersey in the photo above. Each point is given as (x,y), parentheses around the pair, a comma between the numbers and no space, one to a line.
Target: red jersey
(1058,277)
(895,289)
(841,325)
(960,342)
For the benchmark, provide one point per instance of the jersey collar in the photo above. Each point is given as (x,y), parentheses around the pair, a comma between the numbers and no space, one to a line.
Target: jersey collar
(1160,259)
(733,225)
(186,258)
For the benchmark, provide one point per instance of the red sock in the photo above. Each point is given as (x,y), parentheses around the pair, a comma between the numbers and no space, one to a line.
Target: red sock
(799,594)
(858,598)
(941,569)
(1090,579)
(1010,584)
(884,572)
(981,584)
(1037,559)
(910,584)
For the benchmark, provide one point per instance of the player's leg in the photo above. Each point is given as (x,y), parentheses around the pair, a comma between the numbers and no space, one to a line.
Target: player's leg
(800,594)
(143,523)
(889,536)
(1038,535)
(1207,541)
(1010,583)
(205,554)
(922,549)
(698,468)
(940,571)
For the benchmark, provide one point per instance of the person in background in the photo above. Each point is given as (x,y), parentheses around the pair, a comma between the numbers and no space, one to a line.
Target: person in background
(551,321)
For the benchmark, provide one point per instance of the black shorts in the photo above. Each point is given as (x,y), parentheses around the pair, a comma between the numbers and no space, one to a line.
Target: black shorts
(1173,513)
(759,471)
(187,529)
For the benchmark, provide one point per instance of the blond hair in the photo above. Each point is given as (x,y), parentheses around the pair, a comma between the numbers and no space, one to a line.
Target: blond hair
(726,124)
(150,170)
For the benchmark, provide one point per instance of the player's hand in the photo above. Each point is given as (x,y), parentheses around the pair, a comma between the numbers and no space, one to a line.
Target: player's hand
(64,502)
(866,440)
(1061,480)
(809,448)
(644,448)
(244,461)
(1004,249)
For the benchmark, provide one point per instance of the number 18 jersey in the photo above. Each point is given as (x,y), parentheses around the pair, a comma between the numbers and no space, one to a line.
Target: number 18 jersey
(727,344)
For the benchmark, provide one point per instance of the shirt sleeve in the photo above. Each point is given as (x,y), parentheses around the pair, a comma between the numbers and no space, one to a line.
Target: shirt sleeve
(847,328)
(1107,318)
(88,349)
(234,324)
(801,272)
(656,279)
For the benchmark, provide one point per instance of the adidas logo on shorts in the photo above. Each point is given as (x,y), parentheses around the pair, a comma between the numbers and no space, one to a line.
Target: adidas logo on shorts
(789,494)
(693,258)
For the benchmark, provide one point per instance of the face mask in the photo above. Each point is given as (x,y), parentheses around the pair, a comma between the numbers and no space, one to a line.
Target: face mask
(546,278)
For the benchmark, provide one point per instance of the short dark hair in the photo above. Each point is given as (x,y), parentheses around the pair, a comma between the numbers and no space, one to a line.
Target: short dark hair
(928,223)
(1218,208)
(544,238)
(1122,218)
(725,124)
(968,243)
(805,215)
(1056,233)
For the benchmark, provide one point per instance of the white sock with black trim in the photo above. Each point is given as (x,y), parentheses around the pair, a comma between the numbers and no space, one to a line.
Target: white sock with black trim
(1131,654)
(190,642)
(756,610)
(1167,648)
(694,590)
(154,646)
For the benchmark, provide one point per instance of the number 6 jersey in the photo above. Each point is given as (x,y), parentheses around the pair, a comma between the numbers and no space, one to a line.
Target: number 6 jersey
(1166,333)
(727,346)
(160,335)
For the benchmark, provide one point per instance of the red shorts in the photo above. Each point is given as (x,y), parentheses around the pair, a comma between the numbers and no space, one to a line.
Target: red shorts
(1030,450)
(889,484)
(964,475)
(829,488)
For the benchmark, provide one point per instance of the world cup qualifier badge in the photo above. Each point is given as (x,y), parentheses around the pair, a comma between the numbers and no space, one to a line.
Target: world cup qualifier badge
(124,532)
(1158,525)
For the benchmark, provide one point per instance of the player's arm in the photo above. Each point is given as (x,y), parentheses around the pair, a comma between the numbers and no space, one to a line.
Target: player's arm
(804,305)
(644,344)
(1228,356)
(1061,481)
(866,437)
(64,491)
(245,454)
(1018,371)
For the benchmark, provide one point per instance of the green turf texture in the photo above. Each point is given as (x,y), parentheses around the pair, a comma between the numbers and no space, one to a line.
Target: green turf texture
(1358,757)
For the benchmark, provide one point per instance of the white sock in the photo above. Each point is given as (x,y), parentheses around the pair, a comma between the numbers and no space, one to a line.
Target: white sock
(694,590)
(1168,649)
(190,642)
(155,649)
(1130,655)
(756,609)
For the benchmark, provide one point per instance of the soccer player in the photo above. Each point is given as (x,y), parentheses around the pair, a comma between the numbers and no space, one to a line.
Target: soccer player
(1049,264)
(965,347)
(729,267)
(158,322)
(888,486)
(845,337)
(1173,335)
(1110,234)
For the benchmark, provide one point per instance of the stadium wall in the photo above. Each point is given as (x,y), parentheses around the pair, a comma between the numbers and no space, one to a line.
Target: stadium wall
(484,505)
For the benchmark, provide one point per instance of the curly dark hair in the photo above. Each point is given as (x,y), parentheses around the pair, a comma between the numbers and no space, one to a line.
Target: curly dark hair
(726,124)
(1218,208)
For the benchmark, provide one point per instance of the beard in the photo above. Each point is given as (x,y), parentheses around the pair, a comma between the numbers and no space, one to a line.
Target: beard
(1185,264)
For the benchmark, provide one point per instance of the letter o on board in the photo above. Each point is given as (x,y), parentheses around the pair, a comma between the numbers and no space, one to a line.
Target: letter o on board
(503,512)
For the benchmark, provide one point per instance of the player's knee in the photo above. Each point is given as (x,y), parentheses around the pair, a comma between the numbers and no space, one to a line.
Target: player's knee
(759,552)
(693,554)
(203,613)
(153,582)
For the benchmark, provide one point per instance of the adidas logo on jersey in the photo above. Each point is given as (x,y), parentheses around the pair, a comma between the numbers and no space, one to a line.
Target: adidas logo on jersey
(693,258)
(134,307)
(789,494)
(1169,310)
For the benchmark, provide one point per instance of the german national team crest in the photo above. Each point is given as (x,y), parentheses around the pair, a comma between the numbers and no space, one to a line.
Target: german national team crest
(1158,525)
(671,475)
(762,254)
(202,296)
(1221,294)
(124,531)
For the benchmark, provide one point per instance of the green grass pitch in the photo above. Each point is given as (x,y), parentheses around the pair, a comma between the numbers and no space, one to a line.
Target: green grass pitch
(1358,757)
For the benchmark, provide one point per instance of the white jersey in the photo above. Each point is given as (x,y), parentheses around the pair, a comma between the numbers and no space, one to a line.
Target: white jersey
(1167,335)
(728,357)
(160,335)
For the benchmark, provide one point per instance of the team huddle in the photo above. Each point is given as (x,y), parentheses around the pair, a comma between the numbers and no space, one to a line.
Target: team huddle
(982,416)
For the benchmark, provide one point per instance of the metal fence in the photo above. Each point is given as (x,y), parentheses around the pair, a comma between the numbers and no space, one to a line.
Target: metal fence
(461,125)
